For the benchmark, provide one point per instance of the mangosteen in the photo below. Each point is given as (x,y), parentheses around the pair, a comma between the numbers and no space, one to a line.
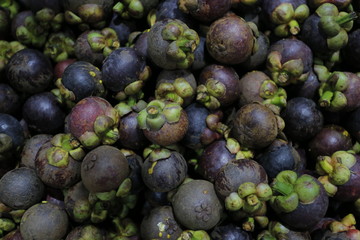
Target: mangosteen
(205,10)
(9,99)
(21,188)
(163,123)
(163,170)
(31,148)
(230,40)
(29,71)
(218,86)
(104,169)
(255,126)
(171,44)
(160,224)
(196,205)
(43,113)
(303,119)
(94,121)
(38,222)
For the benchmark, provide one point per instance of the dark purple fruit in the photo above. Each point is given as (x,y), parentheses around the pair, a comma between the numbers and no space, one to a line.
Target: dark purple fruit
(205,10)
(352,124)
(29,71)
(77,204)
(38,222)
(104,169)
(94,121)
(351,51)
(21,188)
(164,174)
(11,133)
(303,119)
(160,216)
(80,80)
(300,201)
(230,40)
(218,86)
(213,158)
(124,72)
(31,148)
(171,44)
(229,232)
(163,123)
(199,133)
(236,172)
(56,165)
(279,156)
(329,139)
(86,231)
(255,126)
(9,99)
(196,205)
(43,113)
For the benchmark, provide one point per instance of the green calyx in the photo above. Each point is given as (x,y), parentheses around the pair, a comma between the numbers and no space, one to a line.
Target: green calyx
(63,95)
(307,189)
(337,167)
(272,94)
(12,6)
(7,224)
(130,9)
(156,152)
(330,188)
(82,210)
(345,224)
(124,188)
(57,157)
(59,47)
(49,20)
(6,143)
(104,41)
(194,235)
(106,127)
(70,144)
(157,113)
(175,92)
(285,199)
(182,43)
(210,92)
(124,227)
(99,212)
(130,105)
(91,13)
(234,202)
(287,19)
(7,49)
(290,72)
(331,92)
(31,33)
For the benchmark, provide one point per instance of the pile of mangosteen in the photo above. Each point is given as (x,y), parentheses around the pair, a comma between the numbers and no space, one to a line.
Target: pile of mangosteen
(179,119)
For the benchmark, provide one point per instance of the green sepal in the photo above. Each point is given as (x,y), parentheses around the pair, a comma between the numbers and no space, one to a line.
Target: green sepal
(124,188)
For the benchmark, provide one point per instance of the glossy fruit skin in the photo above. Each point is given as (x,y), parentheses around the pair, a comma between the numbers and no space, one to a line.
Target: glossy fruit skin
(198,134)
(21,188)
(227,47)
(164,175)
(29,71)
(83,79)
(43,113)
(213,158)
(303,119)
(229,232)
(196,205)
(131,136)
(227,76)
(330,139)
(37,222)
(122,67)
(103,169)
(280,156)
(11,127)
(236,172)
